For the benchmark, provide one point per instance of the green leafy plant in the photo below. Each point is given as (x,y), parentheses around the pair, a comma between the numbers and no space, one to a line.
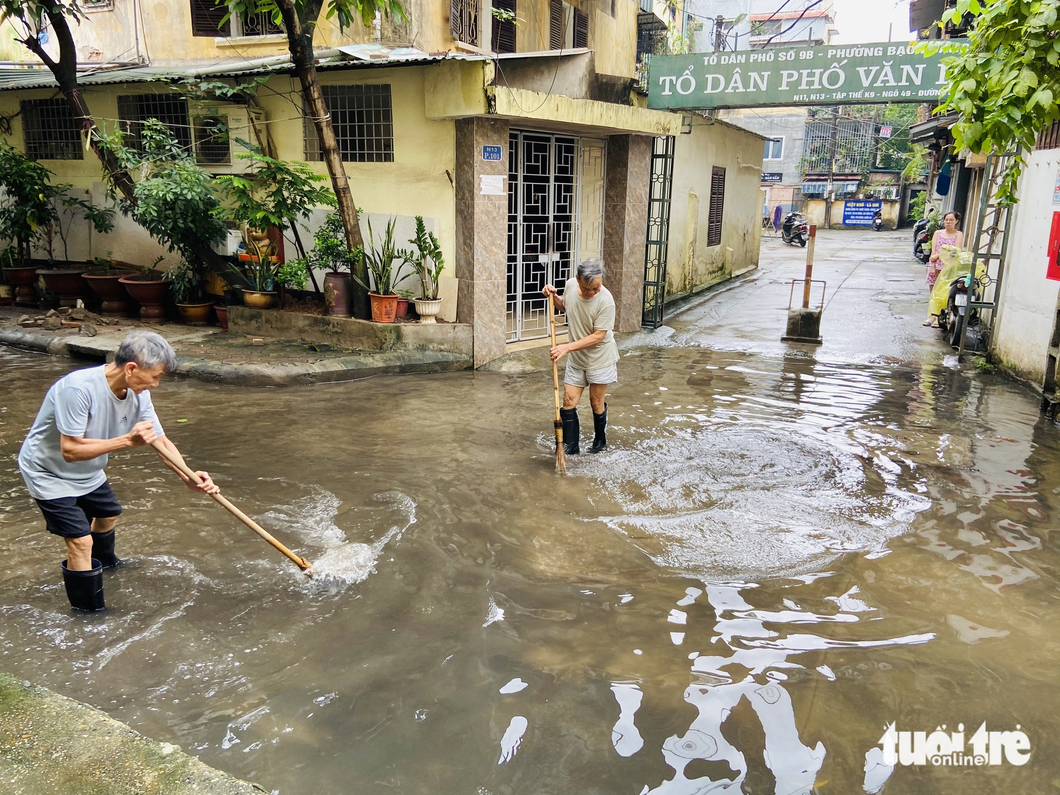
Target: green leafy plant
(1005,83)
(26,207)
(330,252)
(381,260)
(426,259)
(187,280)
(292,275)
(104,264)
(175,200)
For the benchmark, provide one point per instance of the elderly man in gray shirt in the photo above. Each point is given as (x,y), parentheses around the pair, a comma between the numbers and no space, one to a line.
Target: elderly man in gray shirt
(86,416)
(592,353)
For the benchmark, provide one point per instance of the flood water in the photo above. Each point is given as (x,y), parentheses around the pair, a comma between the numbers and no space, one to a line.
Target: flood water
(777,558)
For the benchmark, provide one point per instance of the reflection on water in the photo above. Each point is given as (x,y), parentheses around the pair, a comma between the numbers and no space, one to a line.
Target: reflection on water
(775,560)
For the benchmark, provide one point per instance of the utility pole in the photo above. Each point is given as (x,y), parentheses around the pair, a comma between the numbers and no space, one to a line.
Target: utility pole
(719,34)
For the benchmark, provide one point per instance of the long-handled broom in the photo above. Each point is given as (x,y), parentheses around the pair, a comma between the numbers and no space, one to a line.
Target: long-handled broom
(561,457)
(300,562)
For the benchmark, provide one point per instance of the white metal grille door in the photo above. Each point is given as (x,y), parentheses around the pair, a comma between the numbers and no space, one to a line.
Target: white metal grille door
(544,235)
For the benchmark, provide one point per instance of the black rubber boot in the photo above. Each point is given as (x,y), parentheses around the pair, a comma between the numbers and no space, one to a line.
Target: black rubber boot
(103,550)
(84,589)
(600,427)
(570,431)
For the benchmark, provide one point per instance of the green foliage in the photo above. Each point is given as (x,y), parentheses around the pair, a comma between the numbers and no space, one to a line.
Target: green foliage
(346,12)
(381,261)
(330,252)
(426,259)
(293,274)
(1006,83)
(188,282)
(175,200)
(918,206)
(274,192)
(506,15)
(27,206)
(197,88)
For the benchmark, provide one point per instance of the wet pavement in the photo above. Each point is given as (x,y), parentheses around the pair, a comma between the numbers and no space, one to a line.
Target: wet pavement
(785,550)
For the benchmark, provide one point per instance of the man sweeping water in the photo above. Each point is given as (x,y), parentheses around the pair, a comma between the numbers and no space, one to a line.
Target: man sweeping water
(592,353)
(85,416)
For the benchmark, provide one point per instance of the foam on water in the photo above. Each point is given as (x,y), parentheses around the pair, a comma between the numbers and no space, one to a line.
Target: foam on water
(745,499)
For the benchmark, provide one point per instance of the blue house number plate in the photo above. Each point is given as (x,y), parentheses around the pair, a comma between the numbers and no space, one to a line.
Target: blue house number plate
(491,153)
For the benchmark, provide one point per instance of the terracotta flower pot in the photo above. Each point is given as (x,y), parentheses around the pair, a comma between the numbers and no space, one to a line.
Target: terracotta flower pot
(222,316)
(259,299)
(427,309)
(150,292)
(402,308)
(337,289)
(196,314)
(24,281)
(384,307)
(108,287)
(67,282)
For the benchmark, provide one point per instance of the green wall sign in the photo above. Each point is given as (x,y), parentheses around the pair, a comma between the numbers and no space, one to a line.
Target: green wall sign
(784,76)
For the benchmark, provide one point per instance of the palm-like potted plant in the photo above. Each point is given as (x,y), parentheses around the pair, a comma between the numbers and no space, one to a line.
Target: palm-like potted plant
(384,264)
(25,206)
(428,261)
(188,283)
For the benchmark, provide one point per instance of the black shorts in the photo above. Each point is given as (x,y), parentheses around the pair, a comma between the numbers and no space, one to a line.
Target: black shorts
(71,517)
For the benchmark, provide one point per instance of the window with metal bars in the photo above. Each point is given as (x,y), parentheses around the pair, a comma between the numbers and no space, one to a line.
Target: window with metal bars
(716,212)
(581,28)
(463,20)
(170,109)
(504,29)
(1049,138)
(363,119)
(49,130)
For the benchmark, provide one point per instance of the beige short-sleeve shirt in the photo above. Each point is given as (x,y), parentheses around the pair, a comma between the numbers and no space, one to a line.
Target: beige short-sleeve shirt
(587,316)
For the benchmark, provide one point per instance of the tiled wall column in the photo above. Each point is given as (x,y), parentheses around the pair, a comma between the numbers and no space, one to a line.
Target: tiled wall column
(482,233)
(626,225)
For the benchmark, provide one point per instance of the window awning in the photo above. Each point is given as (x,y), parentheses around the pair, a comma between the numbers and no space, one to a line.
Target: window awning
(814,188)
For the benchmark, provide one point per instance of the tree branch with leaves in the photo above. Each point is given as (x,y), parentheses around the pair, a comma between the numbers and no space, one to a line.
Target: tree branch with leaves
(1005,83)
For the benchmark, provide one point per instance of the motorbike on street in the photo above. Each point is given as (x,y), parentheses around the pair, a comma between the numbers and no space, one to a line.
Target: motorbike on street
(877,221)
(795,229)
(922,240)
(956,306)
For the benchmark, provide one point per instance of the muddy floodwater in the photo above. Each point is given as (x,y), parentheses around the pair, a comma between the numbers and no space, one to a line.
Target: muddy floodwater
(777,558)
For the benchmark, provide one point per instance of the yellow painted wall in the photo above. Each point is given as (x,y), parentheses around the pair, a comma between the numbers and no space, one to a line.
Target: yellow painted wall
(691,264)
(414,184)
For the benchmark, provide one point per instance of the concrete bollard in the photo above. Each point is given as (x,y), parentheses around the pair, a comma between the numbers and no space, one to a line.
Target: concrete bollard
(804,323)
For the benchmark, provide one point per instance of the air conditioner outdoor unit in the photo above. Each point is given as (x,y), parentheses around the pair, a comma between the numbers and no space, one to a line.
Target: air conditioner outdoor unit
(219,132)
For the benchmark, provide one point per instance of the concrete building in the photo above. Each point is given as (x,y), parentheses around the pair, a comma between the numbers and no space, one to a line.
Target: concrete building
(522,145)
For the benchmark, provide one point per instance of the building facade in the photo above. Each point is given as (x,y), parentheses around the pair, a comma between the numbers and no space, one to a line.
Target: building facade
(521,141)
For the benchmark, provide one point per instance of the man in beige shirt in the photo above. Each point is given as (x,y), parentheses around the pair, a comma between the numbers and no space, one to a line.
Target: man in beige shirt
(592,354)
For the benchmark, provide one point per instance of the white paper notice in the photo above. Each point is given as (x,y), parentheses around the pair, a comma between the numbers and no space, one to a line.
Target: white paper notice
(492,185)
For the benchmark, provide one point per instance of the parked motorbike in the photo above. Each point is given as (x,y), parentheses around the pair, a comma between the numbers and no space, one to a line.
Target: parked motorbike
(922,245)
(956,306)
(795,229)
(877,221)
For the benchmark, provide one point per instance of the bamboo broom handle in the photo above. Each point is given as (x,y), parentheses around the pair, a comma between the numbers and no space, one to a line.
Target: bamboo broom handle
(302,563)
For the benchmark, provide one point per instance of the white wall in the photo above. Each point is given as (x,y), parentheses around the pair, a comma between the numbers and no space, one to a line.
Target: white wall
(1027,304)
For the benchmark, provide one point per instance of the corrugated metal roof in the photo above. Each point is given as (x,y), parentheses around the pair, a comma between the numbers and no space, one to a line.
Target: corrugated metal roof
(355,56)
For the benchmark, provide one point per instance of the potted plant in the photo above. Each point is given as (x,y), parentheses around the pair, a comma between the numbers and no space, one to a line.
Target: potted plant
(188,283)
(428,261)
(384,273)
(175,202)
(272,194)
(104,280)
(7,291)
(25,205)
(331,254)
(404,296)
(149,288)
(291,275)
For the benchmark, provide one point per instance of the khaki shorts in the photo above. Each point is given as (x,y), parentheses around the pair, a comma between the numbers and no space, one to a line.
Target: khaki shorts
(575,376)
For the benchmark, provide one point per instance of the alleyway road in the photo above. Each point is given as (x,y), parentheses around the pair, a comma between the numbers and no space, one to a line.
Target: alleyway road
(784,550)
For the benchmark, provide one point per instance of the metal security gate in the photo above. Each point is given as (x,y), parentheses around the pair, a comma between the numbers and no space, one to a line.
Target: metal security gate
(662,169)
(555,217)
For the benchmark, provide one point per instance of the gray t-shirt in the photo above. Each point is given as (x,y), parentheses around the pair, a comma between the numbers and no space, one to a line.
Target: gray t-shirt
(587,316)
(78,404)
